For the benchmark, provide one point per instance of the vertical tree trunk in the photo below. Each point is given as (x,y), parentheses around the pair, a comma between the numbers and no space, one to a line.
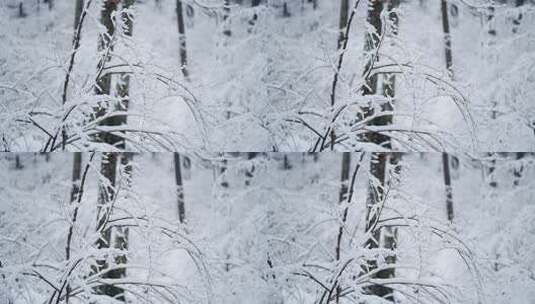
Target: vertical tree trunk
(342,25)
(449,67)
(179,189)
(447,184)
(121,234)
(103,83)
(76,174)
(75,192)
(286,162)
(226,22)
(285,11)
(492,171)
(518,168)
(123,83)
(182,39)
(249,173)
(385,238)
(106,198)
(22,13)
(18,163)
(346,163)
(376,197)
(371,49)
(447,37)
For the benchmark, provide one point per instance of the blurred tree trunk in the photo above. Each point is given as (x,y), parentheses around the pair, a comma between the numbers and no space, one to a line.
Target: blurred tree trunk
(518,19)
(182,39)
(252,22)
(449,67)
(179,188)
(76,174)
(249,172)
(22,13)
(226,21)
(447,184)
(50,4)
(518,168)
(18,163)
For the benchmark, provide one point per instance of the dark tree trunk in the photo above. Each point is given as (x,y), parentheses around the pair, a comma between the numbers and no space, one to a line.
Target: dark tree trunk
(447,184)
(285,11)
(226,22)
(342,197)
(123,83)
(376,197)
(106,197)
(76,174)
(371,49)
(75,193)
(449,67)
(103,83)
(491,171)
(518,168)
(182,39)
(249,173)
(18,163)
(22,13)
(447,37)
(179,189)
(286,163)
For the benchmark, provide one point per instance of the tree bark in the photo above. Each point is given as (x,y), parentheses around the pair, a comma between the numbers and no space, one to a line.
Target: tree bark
(447,184)
(372,44)
(106,198)
(344,187)
(179,188)
(449,66)
(103,81)
(182,39)
(123,84)
(226,22)
(376,197)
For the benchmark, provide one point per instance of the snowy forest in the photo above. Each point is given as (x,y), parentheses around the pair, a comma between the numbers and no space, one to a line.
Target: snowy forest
(276,75)
(267,151)
(266,228)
